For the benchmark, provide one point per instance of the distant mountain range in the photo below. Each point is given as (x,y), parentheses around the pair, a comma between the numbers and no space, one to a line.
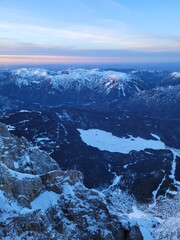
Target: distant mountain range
(121,129)
(95,89)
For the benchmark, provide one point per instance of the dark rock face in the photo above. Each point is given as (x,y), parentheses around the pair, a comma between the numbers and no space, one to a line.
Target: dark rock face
(4,131)
(40,201)
(135,234)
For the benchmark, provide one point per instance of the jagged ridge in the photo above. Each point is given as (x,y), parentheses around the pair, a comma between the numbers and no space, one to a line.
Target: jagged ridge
(40,201)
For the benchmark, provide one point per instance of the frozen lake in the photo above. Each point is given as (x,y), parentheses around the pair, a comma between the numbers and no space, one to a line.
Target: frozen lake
(105,141)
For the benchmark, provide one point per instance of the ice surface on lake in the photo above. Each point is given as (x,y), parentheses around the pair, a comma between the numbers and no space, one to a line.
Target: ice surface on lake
(105,141)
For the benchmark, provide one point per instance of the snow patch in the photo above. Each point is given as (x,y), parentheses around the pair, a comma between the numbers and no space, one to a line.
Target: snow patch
(176,153)
(25,111)
(144,222)
(45,200)
(16,174)
(8,206)
(40,139)
(155,192)
(68,189)
(25,159)
(16,164)
(11,128)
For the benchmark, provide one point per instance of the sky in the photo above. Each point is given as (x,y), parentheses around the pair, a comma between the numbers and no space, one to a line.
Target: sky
(89,31)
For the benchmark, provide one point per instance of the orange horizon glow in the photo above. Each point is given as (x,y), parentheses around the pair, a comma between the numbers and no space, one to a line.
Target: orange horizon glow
(45,59)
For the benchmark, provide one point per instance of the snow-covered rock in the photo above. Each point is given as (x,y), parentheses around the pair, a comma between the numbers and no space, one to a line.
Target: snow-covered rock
(40,201)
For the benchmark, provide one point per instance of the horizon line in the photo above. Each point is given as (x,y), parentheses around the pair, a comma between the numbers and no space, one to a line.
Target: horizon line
(13,59)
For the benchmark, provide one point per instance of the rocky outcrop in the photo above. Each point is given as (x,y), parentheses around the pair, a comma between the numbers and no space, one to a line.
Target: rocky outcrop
(168,210)
(40,201)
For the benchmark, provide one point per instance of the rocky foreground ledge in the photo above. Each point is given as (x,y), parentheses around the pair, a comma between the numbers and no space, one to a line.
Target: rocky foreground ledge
(40,201)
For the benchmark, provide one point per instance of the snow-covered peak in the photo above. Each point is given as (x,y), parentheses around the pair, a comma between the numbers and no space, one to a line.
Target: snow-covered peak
(89,73)
(27,76)
(175,74)
(28,73)
(84,75)
(99,81)
(71,75)
(93,78)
